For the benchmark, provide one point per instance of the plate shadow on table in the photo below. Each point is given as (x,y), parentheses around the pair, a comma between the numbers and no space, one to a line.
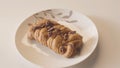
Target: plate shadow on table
(102,32)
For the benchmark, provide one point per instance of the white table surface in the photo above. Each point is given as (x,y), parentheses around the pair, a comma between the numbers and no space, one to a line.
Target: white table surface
(104,13)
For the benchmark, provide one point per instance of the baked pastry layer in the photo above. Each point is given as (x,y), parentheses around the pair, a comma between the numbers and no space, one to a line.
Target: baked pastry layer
(57,37)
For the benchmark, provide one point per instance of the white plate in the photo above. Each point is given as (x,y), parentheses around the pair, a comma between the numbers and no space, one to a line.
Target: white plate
(43,56)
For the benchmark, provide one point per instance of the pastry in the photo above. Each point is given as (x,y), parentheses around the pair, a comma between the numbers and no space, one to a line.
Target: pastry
(57,37)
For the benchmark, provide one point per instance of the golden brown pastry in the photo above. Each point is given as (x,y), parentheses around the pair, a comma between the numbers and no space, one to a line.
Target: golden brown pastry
(57,37)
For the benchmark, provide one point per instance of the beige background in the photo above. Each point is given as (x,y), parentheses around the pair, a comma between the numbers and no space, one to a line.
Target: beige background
(104,13)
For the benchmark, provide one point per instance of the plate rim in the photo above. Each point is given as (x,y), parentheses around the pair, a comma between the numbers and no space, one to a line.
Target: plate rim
(95,45)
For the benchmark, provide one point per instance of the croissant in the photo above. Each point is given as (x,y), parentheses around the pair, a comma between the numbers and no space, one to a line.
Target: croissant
(57,37)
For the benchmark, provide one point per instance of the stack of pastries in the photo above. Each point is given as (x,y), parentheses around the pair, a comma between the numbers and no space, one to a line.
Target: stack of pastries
(57,37)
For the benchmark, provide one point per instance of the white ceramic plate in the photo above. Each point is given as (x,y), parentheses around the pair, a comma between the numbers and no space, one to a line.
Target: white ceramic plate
(43,56)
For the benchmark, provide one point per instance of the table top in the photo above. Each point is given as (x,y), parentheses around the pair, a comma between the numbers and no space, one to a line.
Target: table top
(104,13)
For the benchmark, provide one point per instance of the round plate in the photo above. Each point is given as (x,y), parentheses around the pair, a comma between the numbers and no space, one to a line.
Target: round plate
(43,56)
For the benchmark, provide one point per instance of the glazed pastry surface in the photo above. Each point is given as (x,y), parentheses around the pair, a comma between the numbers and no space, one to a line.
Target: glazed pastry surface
(57,37)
